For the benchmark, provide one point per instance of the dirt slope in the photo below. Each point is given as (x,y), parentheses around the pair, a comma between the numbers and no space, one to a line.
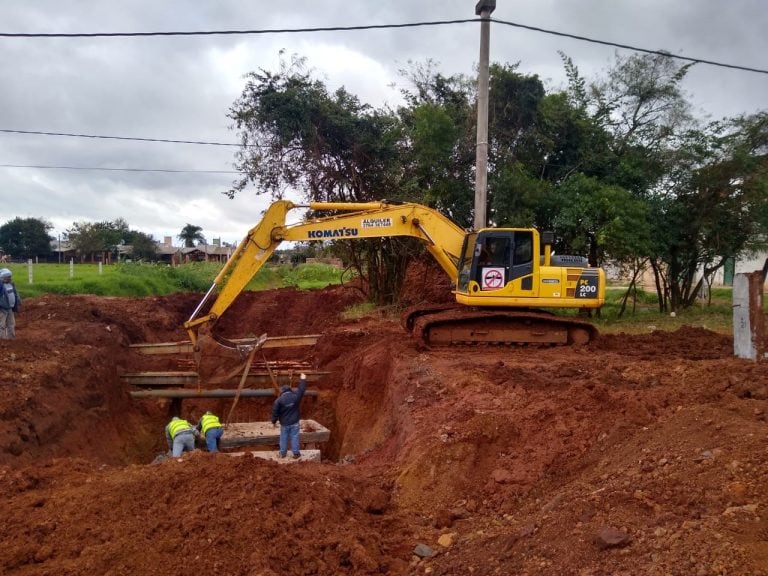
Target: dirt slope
(641,454)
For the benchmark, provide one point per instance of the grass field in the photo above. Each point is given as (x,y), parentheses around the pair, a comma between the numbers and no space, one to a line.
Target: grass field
(135,279)
(716,315)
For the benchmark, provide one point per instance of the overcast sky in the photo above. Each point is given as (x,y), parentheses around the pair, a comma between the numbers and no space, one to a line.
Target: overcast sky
(181,88)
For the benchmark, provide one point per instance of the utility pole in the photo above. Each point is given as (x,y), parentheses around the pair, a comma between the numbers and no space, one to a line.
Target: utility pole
(483,9)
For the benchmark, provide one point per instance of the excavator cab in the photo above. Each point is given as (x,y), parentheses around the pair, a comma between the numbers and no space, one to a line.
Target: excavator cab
(493,258)
(503,256)
(514,266)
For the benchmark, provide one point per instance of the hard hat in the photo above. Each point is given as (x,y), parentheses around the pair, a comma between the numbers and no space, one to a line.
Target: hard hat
(5,273)
(175,418)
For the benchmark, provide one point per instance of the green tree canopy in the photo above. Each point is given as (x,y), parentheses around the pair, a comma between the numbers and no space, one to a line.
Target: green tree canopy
(438,141)
(713,206)
(143,245)
(602,220)
(89,239)
(616,166)
(26,237)
(329,148)
(191,234)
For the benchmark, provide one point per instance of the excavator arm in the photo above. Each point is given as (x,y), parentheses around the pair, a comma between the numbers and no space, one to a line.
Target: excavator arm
(442,238)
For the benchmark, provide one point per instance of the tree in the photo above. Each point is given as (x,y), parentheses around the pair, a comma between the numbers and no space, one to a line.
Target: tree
(605,222)
(143,245)
(713,206)
(641,105)
(296,134)
(90,239)
(654,152)
(438,141)
(641,100)
(26,237)
(329,147)
(191,234)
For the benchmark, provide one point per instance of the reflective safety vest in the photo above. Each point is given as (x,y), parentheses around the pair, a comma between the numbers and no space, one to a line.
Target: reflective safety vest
(177,426)
(209,421)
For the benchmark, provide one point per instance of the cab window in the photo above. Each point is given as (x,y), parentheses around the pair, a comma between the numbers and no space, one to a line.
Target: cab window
(523,248)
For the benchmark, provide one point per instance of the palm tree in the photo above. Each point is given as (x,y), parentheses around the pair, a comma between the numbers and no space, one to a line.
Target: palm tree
(191,233)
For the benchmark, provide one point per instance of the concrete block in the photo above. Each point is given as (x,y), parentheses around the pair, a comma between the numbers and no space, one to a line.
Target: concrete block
(263,433)
(274,455)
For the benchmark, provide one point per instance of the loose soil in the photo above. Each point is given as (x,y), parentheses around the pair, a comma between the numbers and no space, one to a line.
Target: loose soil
(636,454)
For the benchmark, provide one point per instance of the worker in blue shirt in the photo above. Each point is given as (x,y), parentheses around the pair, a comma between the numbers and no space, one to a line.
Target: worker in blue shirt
(287,409)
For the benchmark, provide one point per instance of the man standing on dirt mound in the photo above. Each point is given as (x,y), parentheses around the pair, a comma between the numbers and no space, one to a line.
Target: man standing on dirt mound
(180,436)
(10,302)
(210,428)
(287,409)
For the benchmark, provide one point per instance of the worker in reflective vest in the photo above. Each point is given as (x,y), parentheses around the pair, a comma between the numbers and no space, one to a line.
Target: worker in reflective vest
(180,436)
(211,429)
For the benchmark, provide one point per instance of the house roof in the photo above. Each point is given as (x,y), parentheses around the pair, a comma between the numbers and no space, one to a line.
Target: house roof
(161,248)
(208,249)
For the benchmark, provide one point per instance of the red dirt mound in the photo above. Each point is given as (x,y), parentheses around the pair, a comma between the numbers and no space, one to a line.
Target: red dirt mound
(426,282)
(636,454)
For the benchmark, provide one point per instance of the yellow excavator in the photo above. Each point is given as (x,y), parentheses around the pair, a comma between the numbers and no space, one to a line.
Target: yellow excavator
(503,277)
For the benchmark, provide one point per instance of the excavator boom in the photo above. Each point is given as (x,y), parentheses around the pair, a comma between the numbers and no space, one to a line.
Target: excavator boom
(442,238)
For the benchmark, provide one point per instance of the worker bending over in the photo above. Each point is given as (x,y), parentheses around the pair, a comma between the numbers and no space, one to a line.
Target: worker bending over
(210,428)
(180,435)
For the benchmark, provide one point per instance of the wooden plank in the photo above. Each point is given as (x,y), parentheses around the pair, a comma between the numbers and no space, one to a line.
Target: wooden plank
(170,379)
(291,377)
(185,346)
(160,378)
(213,393)
(264,434)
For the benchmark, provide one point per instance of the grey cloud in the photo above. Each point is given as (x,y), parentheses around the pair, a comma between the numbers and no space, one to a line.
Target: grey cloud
(168,87)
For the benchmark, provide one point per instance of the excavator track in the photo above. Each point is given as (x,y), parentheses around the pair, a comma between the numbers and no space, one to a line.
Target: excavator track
(446,325)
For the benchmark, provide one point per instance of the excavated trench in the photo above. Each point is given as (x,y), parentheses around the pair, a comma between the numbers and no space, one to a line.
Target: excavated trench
(328,402)
(340,364)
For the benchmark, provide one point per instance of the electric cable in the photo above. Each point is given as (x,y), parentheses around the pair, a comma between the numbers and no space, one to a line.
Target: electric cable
(119,169)
(315,29)
(630,47)
(165,140)
(231,32)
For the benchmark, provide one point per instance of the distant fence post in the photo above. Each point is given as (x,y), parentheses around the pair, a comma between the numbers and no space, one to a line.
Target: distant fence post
(29,270)
(71,267)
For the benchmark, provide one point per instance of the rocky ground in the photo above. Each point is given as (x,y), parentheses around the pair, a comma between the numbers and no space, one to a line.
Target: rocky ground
(637,454)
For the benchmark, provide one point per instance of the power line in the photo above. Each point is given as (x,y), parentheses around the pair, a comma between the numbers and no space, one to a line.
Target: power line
(373,27)
(629,47)
(8,131)
(119,169)
(232,32)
